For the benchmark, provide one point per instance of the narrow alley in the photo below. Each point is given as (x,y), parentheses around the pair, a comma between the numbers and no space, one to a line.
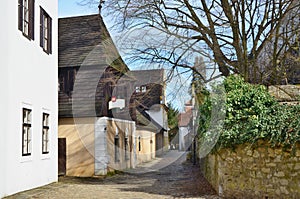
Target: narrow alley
(170,176)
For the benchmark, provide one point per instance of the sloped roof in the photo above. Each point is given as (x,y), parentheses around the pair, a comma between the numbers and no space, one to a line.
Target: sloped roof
(144,77)
(85,40)
(185,118)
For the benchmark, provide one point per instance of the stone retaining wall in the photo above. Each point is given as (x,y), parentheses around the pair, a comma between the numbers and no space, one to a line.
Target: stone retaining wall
(286,93)
(263,172)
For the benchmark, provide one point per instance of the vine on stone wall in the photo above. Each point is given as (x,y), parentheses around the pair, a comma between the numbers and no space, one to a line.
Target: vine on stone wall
(252,114)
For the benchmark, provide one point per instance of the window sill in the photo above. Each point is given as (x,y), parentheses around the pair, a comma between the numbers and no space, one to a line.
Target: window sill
(26,159)
(47,52)
(27,36)
(45,156)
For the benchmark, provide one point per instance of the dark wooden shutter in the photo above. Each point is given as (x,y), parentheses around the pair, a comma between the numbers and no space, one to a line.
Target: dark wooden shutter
(41,27)
(50,35)
(31,19)
(20,15)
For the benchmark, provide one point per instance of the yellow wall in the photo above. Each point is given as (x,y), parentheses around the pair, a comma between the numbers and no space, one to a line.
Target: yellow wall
(147,151)
(80,145)
(111,134)
(80,136)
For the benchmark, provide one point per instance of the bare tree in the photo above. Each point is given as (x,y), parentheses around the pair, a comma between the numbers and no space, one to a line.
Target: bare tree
(234,34)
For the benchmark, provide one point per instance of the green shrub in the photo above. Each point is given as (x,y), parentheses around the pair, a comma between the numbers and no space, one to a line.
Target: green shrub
(252,114)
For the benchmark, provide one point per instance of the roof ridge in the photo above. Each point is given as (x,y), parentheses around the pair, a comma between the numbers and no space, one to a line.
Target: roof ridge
(80,16)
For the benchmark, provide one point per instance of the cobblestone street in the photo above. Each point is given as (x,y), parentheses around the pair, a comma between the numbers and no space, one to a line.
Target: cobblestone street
(156,179)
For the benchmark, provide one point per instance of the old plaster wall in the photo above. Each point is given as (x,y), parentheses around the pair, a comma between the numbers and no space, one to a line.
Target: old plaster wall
(81,157)
(79,134)
(261,172)
(145,145)
(121,157)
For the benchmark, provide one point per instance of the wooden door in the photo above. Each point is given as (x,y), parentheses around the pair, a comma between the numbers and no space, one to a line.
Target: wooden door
(62,158)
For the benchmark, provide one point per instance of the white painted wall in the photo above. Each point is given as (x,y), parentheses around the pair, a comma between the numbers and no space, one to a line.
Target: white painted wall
(159,114)
(29,76)
(3,100)
(183,131)
(103,158)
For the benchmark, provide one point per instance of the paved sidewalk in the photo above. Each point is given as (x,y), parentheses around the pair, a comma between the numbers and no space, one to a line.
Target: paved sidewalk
(169,176)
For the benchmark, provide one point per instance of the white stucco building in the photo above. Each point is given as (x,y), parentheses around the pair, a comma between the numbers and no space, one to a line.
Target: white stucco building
(184,124)
(28,103)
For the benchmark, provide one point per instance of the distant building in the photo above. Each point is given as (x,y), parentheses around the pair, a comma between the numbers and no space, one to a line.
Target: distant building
(28,144)
(145,103)
(184,125)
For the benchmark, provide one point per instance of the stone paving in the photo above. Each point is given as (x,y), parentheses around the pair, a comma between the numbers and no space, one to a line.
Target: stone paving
(167,177)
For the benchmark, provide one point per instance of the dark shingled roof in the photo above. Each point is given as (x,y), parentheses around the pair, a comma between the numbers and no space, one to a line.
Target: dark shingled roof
(85,40)
(142,77)
(85,45)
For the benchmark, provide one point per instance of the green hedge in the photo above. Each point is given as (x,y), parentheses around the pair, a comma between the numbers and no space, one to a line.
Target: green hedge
(251,115)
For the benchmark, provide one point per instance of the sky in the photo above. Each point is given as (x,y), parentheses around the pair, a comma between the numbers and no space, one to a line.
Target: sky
(68,8)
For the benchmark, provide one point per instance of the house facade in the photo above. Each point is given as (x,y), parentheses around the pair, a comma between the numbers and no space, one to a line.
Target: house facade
(150,99)
(29,95)
(144,95)
(96,145)
(91,141)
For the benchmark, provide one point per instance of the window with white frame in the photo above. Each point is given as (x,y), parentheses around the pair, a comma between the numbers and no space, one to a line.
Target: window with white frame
(26,18)
(137,89)
(26,132)
(45,134)
(45,31)
(144,89)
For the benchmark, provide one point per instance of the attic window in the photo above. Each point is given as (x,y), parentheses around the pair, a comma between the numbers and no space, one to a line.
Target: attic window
(137,89)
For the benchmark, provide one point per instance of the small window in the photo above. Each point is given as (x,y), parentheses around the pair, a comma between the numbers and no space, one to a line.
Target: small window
(26,132)
(126,148)
(139,143)
(26,18)
(137,89)
(117,145)
(144,89)
(45,134)
(45,31)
